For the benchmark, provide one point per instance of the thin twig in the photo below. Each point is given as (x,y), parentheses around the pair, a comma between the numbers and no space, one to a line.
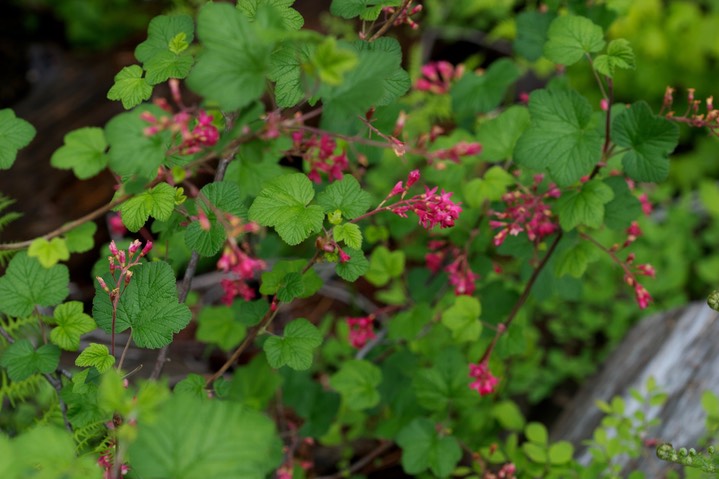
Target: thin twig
(390,21)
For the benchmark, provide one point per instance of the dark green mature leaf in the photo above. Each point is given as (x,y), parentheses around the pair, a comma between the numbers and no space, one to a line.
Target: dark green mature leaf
(384,265)
(571,37)
(26,284)
(475,94)
(96,356)
(584,206)
(224,197)
(232,67)
(83,152)
(49,252)
(161,31)
(158,202)
(357,382)
(462,318)
(15,133)
(131,151)
(22,360)
(619,55)
(499,135)
(130,87)
(295,347)
(218,325)
(445,383)
(347,196)
(650,140)
(291,18)
(624,207)
(355,267)
(286,72)
(71,324)
(532,29)
(424,448)
(562,138)
(193,438)
(282,204)
(254,384)
(148,305)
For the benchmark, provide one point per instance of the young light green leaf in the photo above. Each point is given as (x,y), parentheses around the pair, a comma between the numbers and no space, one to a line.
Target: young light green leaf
(350,233)
(22,360)
(571,37)
(223,197)
(490,187)
(291,287)
(357,382)
(219,325)
(291,18)
(130,87)
(331,62)
(561,452)
(475,94)
(499,135)
(347,196)
(162,32)
(27,284)
(179,43)
(562,138)
(295,347)
(96,356)
(193,384)
(584,206)
(131,151)
(84,152)
(355,267)
(71,324)
(282,204)
(231,69)
(192,437)
(148,305)
(166,65)
(619,55)
(650,140)
(536,433)
(158,202)
(81,238)
(462,318)
(49,252)
(15,133)
(424,448)
(384,265)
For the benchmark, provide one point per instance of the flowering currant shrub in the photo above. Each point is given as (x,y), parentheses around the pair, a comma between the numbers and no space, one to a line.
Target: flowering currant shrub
(382,239)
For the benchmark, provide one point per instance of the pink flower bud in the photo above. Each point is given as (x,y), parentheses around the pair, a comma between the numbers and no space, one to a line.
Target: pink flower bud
(344,257)
(113,248)
(412,177)
(398,188)
(146,249)
(121,257)
(134,246)
(604,104)
(103,285)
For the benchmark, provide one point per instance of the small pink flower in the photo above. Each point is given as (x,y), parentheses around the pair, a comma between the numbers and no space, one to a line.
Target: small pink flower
(361,330)
(642,296)
(646,270)
(646,204)
(484,382)
(344,257)
(412,178)
(117,227)
(398,188)
(604,104)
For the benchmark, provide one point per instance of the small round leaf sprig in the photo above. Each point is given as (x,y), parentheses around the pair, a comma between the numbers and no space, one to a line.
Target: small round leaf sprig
(704,460)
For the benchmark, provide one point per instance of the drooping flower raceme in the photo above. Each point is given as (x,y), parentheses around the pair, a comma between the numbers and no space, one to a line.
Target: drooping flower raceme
(240,268)
(461,276)
(361,330)
(484,382)
(321,155)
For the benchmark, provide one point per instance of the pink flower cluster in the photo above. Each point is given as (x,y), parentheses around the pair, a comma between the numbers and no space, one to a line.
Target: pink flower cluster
(105,462)
(507,471)
(194,139)
(361,330)
(320,156)
(240,268)
(405,16)
(432,209)
(120,264)
(456,152)
(631,271)
(461,276)
(526,211)
(437,77)
(484,382)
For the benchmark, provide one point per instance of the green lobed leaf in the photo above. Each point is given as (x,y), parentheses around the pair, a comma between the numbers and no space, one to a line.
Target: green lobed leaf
(225,197)
(273,280)
(255,384)
(71,324)
(347,196)
(619,55)
(158,202)
(384,265)
(291,18)
(81,238)
(166,65)
(354,268)
(536,433)
(27,284)
(535,452)
(149,305)
(193,438)
(532,30)
(131,151)
(296,347)
(490,187)
(162,30)
(650,140)
(193,384)
(423,447)
(15,133)
(49,253)
(561,452)
(256,164)
(571,37)
(219,325)
(509,415)
(22,360)
(282,204)
(350,233)
(291,287)
(574,260)
(96,356)
(445,384)
(130,87)
(474,94)
(286,72)
(624,207)
(355,8)
(462,318)
(584,206)
(231,69)
(562,138)
(84,151)
(499,135)
(357,382)
(250,313)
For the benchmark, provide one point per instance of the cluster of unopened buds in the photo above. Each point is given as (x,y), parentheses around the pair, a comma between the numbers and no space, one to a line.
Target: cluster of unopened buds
(455,153)
(692,116)
(405,16)
(507,471)
(241,268)
(431,208)
(361,330)
(105,462)
(526,211)
(484,382)
(120,264)
(320,154)
(631,270)
(437,77)
(461,276)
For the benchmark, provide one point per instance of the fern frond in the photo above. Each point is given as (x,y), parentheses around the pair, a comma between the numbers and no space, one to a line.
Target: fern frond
(15,325)
(96,433)
(9,217)
(18,391)
(5,257)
